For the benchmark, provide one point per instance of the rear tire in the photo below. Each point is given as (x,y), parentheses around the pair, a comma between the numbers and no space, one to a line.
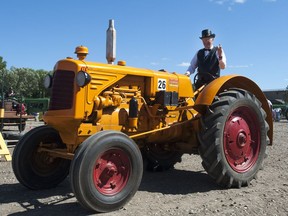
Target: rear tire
(234,138)
(159,159)
(39,170)
(106,171)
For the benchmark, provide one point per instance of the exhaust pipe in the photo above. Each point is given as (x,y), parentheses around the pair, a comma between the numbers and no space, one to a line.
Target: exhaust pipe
(111,43)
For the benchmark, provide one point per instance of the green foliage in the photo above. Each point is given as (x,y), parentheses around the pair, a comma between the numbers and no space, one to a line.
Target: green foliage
(25,82)
(286,95)
(2,73)
(2,64)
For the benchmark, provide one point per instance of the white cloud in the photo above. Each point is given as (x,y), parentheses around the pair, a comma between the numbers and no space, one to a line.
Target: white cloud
(220,2)
(269,0)
(238,66)
(158,62)
(154,63)
(231,3)
(240,1)
(184,64)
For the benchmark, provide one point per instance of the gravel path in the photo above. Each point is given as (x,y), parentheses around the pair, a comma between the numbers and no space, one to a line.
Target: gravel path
(185,190)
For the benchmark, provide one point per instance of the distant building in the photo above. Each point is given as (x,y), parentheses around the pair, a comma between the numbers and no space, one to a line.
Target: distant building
(276,96)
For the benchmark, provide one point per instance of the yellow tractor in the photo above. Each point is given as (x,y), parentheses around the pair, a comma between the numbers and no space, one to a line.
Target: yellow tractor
(104,120)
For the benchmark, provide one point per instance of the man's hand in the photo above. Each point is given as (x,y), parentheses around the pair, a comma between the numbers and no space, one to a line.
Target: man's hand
(219,50)
(222,64)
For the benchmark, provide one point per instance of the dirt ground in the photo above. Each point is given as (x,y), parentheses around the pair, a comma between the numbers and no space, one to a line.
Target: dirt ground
(185,190)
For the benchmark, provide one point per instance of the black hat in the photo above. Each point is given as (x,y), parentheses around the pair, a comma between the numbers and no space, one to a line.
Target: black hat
(207,33)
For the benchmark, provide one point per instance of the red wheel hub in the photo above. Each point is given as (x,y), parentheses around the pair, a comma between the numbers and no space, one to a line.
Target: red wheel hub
(242,139)
(111,171)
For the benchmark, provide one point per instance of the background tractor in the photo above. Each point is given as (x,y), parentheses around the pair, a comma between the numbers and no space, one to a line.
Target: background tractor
(104,120)
(13,113)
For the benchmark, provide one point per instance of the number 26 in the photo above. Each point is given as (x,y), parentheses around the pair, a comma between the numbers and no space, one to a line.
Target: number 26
(161,84)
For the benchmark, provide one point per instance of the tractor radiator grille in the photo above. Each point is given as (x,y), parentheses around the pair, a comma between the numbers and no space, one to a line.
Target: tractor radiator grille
(62,90)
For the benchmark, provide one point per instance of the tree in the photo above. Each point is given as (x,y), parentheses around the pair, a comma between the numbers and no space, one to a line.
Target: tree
(2,75)
(2,63)
(27,82)
(41,91)
(286,95)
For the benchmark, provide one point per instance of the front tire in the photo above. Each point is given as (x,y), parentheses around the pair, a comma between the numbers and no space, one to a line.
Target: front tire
(38,170)
(234,138)
(106,171)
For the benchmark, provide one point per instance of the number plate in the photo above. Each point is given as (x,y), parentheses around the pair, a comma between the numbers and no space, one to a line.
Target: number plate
(161,85)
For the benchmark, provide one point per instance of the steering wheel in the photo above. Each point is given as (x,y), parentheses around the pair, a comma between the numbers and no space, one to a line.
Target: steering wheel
(196,77)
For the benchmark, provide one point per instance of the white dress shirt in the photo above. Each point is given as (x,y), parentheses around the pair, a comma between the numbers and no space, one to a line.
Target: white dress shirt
(193,64)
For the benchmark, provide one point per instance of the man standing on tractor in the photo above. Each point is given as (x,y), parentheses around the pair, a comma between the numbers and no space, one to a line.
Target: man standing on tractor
(208,60)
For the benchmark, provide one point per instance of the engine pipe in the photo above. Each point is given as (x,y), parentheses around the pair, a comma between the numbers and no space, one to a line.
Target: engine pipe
(111,43)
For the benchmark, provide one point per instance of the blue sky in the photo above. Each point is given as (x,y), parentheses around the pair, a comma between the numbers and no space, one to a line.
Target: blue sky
(154,34)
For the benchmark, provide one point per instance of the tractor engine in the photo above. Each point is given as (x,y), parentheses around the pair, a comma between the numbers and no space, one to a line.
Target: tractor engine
(90,97)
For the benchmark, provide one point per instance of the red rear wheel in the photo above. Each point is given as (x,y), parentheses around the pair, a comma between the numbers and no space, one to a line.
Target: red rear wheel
(242,139)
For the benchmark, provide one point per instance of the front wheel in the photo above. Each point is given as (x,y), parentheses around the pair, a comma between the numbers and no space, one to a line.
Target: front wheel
(35,169)
(234,138)
(106,171)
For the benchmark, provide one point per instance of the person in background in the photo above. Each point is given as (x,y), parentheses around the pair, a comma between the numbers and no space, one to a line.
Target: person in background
(208,60)
(10,93)
(271,109)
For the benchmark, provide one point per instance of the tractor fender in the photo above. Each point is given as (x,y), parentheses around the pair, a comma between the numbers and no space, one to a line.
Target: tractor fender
(207,95)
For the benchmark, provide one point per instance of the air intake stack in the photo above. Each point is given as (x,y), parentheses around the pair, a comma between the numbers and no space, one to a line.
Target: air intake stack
(111,43)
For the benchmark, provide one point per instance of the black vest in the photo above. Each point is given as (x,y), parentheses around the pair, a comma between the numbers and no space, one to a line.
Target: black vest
(208,64)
